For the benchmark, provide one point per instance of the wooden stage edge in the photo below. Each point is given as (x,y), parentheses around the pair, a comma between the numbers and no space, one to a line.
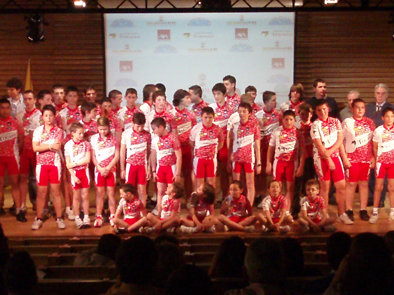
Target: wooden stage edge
(14,229)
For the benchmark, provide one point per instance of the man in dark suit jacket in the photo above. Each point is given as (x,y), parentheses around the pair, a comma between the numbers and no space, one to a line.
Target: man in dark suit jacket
(320,88)
(374,112)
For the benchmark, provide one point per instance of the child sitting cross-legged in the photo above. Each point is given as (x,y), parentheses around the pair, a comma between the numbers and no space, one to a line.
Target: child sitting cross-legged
(314,216)
(132,208)
(201,211)
(275,217)
(236,212)
(168,217)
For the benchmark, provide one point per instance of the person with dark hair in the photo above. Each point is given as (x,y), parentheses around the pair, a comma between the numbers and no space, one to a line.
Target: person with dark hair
(160,87)
(44,97)
(232,98)
(265,269)
(160,109)
(71,113)
(103,255)
(89,113)
(195,92)
(58,94)
(170,258)
(90,94)
(116,100)
(11,144)
(189,279)
(126,113)
(367,269)
(47,141)
(229,259)
(114,122)
(147,94)
(136,261)
(320,89)
(296,97)
(14,90)
(346,112)
(21,277)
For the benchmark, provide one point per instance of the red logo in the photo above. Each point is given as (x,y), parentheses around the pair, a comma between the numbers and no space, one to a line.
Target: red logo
(163,35)
(126,66)
(278,63)
(241,33)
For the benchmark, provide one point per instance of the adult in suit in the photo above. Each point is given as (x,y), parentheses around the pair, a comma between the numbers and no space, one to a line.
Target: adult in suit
(374,112)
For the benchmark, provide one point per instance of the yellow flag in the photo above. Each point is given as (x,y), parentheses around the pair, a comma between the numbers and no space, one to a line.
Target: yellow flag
(28,82)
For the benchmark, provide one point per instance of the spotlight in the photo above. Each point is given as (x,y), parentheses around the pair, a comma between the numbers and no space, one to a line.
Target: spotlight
(80,3)
(328,2)
(35,28)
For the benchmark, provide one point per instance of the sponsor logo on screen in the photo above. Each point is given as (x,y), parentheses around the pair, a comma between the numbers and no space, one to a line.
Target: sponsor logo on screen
(199,22)
(165,49)
(203,48)
(129,36)
(122,23)
(242,21)
(112,35)
(282,33)
(241,48)
(280,21)
(278,63)
(241,33)
(163,35)
(161,22)
(126,66)
(278,46)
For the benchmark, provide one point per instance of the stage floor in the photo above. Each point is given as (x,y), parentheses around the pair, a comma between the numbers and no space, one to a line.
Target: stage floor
(12,228)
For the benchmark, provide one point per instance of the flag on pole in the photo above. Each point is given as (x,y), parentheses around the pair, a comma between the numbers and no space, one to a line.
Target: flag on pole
(28,82)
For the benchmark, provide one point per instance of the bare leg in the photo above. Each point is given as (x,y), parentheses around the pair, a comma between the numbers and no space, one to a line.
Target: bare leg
(14,181)
(377,192)
(290,193)
(23,179)
(100,200)
(40,202)
(363,191)
(111,199)
(142,193)
(340,195)
(390,188)
(324,190)
(85,200)
(250,187)
(76,202)
(350,190)
(57,200)
(161,190)
(231,224)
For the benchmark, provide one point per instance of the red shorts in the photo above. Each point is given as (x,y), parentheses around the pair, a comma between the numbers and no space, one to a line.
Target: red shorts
(284,170)
(166,174)
(317,219)
(275,220)
(11,164)
(46,174)
(323,171)
(384,169)
(237,219)
(101,181)
(131,221)
(186,157)
(204,167)
(223,153)
(27,158)
(135,174)
(358,172)
(83,176)
(248,167)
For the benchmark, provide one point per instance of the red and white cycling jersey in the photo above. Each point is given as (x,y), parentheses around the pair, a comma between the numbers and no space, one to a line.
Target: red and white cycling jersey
(384,137)
(146,108)
(30,121)
(244,137)
(268,122)
(286,142)
(70,116)
(197,109)
(274,205)
(313,207)
(90,128)
(327,131)
(59,107)
(256,108)
(206,140)
(114,124)
(77,151)
(9,131)
(233,101)
(132,209)
(289,105)
(305,130)
(136,144)
(168,206)
(166,115)
(104,149)
(201,208)
(55,135)
(165,147)
(238,207)
(184,122)
(126,114)
(357,139)
(222,114)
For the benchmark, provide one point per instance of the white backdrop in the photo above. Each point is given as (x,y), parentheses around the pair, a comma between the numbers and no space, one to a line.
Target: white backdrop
(183,49)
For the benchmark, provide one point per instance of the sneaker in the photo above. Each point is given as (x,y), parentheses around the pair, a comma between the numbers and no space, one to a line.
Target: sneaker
(37,223)
(147,229)
(345,219)
(111,220)
(69,214)
(329,228)
(45,214)
(249,228)
(211,229)
(364,215)
(284,229)
(373,218)
(187,229)
(60,223)
(86,221)
(21,216)
(264,229)
(391,217)
(78,222)
(98,222)
(119,230)
(171,230)
(350,214)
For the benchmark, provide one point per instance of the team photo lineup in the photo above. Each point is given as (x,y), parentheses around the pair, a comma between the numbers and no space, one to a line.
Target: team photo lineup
(239,153)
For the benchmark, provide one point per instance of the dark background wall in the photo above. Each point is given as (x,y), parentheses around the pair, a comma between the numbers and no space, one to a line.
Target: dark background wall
(350,50)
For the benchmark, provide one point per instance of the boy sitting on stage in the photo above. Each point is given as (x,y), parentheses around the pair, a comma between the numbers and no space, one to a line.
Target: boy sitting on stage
(131,207)
(236,212)
(168,218)
(314,216)
(275,216)
(201,211)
